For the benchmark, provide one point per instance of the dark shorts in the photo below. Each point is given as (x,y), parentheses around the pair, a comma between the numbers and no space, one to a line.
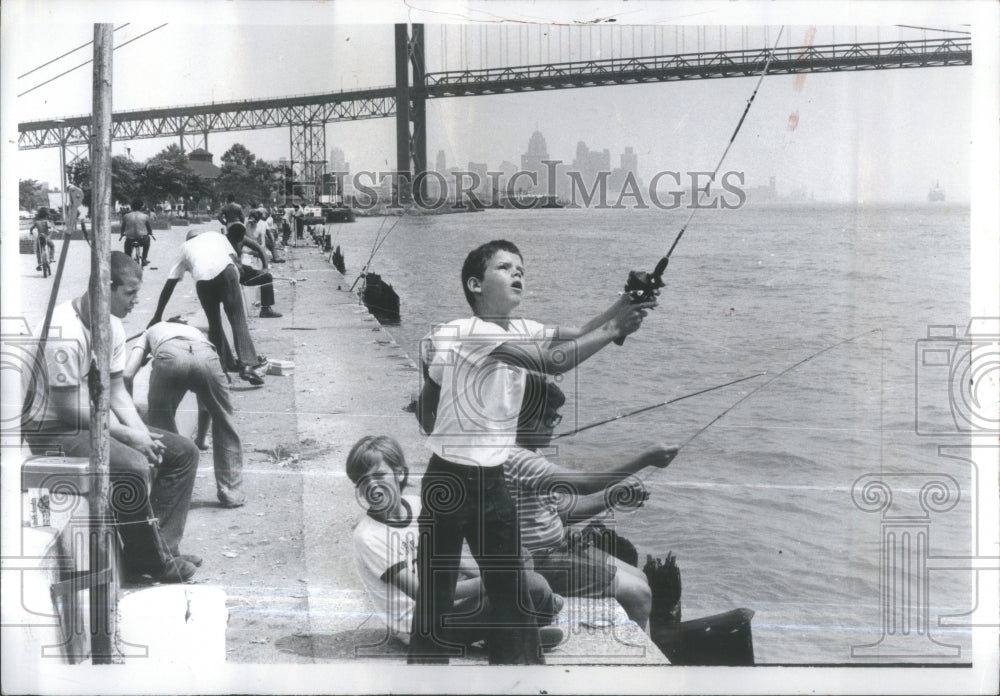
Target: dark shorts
(576,572)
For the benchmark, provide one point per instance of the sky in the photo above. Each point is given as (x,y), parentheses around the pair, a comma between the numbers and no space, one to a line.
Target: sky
(874,136)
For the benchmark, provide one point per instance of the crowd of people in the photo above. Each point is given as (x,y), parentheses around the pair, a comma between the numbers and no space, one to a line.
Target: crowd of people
(153,467)
(490,560)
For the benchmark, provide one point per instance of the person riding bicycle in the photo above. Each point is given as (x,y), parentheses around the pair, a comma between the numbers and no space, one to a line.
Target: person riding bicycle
(45,229)
(137,230)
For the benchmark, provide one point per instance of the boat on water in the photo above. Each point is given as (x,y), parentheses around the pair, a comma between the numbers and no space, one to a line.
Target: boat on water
(936,194)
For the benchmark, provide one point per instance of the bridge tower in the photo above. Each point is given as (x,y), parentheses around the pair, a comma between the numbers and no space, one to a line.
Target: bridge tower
(411,121)
(307,144)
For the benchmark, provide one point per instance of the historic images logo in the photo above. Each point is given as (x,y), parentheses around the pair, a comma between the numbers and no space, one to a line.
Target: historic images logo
(955,385)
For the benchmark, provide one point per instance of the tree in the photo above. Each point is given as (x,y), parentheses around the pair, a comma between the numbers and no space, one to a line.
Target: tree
(244,176)
(31,194)
(165,176)
(124,178)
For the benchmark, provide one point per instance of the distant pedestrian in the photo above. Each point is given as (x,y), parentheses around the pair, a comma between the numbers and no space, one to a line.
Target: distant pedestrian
(250,276)
(184,360)
(44,229)
(137,230)
(231,212)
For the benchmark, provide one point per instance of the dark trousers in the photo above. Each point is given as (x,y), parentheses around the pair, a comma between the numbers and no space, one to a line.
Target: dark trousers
(137,497)
(250,277)
(224,289)
(472,504)
(142,242)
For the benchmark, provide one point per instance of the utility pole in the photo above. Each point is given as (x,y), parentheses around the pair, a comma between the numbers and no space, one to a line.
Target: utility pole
(102,595)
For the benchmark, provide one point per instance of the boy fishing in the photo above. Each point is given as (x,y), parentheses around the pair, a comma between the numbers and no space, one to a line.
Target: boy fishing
(469,404)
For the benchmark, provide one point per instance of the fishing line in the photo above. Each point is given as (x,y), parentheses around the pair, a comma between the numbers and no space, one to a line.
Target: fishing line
(732,139)
(378,244)
(768,382)
(650,408)
(642,286)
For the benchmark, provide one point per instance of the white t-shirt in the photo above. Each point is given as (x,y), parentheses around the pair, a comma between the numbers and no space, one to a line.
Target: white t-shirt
(204,257)
(67,361)
(480,396)
(162,331)
(378,547)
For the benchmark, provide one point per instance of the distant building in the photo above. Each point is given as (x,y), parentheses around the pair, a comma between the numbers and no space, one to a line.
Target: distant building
(532,161)
(590,163)
(629,165)
(439,163)
(762,194)
(200,163)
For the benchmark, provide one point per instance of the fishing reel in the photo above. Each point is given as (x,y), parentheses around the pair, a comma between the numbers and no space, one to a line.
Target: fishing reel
(644,287)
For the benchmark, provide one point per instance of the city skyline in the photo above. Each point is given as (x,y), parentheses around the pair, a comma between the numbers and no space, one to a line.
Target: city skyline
(806,129)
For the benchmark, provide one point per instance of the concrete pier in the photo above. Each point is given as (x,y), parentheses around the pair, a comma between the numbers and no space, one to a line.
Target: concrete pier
(285,560)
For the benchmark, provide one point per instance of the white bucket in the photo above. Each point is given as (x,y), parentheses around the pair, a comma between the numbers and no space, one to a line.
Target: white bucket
(183,624)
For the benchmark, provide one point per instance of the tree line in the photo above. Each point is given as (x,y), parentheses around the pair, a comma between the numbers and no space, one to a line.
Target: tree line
(167,177)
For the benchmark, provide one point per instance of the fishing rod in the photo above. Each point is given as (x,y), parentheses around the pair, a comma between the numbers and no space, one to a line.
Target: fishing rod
(642,286)
(768,382)
(378,244)
(662,403)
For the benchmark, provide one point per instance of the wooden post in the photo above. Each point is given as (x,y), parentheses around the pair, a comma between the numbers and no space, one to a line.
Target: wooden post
(102,597)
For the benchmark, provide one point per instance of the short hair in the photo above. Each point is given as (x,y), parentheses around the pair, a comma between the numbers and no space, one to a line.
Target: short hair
(369,451)
(477,260)
(123,268)
(540,394)
(137,204)
(230,198)
(42,213)
(236,232)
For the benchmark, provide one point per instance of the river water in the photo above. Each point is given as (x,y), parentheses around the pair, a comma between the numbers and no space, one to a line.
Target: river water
(762,509)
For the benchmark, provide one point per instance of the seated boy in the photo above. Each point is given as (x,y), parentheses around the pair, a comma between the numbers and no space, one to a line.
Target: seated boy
(537,483)
(385,542)
(469,405)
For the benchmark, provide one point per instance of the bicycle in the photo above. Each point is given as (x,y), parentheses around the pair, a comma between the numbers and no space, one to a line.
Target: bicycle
(134,248)
(44,261)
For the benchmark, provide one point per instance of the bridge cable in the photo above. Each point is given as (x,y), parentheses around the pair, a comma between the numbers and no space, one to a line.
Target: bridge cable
(948,31)
(83,45)
(91,60)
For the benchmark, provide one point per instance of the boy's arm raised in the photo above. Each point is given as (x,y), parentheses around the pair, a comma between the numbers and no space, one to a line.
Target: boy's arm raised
(570,347)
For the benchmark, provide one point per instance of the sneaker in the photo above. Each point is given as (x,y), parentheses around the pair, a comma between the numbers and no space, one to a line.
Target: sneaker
(190,558)
(38,268)
(251,375)
(175,570)
(145,262)
(232,500)
(268,313)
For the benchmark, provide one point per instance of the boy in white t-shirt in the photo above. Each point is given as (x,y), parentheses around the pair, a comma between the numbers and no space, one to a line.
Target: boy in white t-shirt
(469,405)
(385,543)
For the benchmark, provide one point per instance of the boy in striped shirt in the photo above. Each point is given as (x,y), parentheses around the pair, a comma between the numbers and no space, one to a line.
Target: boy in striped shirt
(549,496)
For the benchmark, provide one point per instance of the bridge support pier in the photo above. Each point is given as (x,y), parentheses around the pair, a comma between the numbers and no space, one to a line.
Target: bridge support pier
(411,114)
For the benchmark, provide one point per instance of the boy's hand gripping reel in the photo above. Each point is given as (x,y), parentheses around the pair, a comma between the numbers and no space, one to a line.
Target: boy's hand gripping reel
(644,287)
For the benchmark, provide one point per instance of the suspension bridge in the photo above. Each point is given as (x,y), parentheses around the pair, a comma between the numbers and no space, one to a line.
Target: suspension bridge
(306,116)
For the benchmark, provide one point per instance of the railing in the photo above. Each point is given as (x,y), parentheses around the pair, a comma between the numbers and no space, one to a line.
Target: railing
(785,59)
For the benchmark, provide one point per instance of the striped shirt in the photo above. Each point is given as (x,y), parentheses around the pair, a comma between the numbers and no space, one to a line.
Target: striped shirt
(527,475)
